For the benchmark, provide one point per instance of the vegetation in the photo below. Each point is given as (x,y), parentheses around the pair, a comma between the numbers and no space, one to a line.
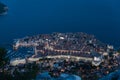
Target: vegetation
(15,73)
(30,72)
(2,8)
(4,75)
(116,77)
(118,50)
(3,59)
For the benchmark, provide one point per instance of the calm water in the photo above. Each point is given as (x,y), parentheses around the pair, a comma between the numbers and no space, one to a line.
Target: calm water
(30,17)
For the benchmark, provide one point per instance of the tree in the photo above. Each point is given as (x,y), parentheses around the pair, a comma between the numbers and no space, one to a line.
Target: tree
(3,59)
(118,50)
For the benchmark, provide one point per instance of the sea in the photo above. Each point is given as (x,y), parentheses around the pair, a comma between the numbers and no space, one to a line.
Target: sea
(31,17)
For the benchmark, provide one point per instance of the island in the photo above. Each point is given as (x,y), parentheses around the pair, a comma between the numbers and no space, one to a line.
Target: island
(3,9)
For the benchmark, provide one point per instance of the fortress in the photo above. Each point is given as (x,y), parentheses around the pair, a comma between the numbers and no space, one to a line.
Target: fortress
(77,46)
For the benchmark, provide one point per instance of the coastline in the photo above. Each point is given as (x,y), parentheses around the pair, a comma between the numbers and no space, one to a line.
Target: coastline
(3,9)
